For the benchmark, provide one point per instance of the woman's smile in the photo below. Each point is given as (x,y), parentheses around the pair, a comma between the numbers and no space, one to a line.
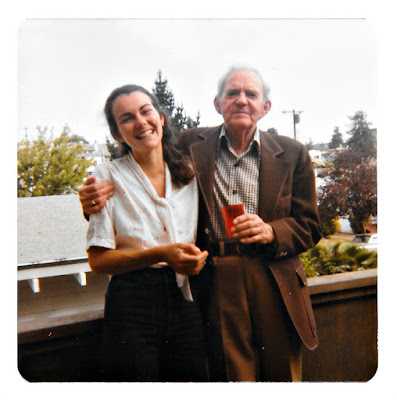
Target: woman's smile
(145,134)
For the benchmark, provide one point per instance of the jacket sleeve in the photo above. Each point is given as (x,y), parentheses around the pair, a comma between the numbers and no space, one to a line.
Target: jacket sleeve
(300,230)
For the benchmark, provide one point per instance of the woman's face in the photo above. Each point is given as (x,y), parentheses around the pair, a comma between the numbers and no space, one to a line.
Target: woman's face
(140,124)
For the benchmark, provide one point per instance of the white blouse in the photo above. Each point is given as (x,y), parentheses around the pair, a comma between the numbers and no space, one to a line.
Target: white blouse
(137,218)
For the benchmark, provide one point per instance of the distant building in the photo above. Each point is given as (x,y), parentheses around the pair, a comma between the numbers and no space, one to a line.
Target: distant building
(317,155)
(98,152)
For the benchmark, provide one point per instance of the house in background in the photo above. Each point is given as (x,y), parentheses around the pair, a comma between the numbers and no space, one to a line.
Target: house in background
(98,152)
(317,155)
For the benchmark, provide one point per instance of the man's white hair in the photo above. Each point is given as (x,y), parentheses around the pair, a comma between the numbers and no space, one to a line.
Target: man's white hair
(235,68)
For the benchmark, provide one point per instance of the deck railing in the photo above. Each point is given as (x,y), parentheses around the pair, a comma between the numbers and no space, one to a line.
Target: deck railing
(60,314)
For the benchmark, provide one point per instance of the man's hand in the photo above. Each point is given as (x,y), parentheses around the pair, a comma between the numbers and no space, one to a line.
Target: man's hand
(94,195)
(250,228)
(186,258)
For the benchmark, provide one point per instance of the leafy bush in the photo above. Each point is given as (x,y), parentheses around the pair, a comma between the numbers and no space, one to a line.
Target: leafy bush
(330,227)
(322,260)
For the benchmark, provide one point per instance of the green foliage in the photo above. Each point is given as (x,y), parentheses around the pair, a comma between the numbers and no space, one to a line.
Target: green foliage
(322,260)
(330,227)
(358,224)
(51,166)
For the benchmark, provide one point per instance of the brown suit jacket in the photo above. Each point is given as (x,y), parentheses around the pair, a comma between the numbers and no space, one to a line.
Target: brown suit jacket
(287,201)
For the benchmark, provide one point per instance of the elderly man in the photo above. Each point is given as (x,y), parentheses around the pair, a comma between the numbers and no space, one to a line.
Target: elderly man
(253,290)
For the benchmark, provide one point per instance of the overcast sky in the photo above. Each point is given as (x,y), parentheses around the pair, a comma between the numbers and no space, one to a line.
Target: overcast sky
(67,68)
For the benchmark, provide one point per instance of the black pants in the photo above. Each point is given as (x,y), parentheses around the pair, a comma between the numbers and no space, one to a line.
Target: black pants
(152,334)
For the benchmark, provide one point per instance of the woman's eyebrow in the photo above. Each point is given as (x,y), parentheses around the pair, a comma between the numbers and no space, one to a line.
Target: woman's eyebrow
(126,114)
(129,113)
(145,105)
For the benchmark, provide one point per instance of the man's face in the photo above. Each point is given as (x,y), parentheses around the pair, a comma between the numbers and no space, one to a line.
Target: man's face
(242,104)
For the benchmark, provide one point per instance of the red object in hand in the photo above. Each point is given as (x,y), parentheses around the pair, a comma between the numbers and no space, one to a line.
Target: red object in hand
(229,213)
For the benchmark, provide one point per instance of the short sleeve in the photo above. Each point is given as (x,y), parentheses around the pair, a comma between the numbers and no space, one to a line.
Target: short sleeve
(101,225)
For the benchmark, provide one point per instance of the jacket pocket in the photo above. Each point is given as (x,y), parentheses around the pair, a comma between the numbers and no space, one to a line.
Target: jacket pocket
(301,273)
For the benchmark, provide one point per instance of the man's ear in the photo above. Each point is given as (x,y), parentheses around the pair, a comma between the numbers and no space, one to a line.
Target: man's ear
(266,107)
(217,105)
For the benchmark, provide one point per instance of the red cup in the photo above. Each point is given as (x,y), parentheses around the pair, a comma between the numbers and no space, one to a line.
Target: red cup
(229,213)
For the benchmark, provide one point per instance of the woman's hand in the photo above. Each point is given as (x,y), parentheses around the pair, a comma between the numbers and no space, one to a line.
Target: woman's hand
(185,258)
(94,195)
(250,228)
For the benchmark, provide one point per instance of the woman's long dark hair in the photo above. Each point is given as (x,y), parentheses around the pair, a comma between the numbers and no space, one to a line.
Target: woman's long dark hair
(178,163)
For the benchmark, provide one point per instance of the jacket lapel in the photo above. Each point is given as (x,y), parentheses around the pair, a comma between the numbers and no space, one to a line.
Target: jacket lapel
(203,155)
(273,172)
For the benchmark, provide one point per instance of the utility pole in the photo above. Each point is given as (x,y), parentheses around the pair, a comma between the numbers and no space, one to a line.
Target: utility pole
(296,118)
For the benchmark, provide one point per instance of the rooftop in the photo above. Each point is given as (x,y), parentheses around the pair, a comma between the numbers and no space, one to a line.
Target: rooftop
(50,228)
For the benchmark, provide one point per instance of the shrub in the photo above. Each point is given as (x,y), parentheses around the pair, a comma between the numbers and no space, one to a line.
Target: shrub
(322,260)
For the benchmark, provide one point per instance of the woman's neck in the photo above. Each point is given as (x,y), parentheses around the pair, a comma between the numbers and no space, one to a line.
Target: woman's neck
(153,166)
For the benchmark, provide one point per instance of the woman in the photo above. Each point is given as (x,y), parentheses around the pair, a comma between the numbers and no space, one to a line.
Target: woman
(144,239)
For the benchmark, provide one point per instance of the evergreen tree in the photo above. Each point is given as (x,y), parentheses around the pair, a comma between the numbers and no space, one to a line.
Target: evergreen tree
(51,167)
(336,140)
(163,94)
(190,123)
(362,137)
(179,119)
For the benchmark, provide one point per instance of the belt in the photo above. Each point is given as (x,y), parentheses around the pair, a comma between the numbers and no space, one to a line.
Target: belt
(226,249)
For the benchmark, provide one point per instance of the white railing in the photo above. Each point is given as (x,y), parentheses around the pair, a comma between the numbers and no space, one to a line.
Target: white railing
(78,267)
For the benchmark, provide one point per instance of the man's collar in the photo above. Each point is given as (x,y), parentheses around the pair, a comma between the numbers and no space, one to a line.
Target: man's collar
(256,138)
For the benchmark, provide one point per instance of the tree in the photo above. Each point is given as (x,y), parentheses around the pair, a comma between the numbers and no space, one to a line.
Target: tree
(51,167)
(163,94)
(351,185)
(176,112)
(190,123)
(362,137)
(351,191)
(309,145)
(114,149)
(336,140)
(272,131)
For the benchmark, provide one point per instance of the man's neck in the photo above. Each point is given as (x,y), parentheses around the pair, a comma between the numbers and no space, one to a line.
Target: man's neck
(240,139)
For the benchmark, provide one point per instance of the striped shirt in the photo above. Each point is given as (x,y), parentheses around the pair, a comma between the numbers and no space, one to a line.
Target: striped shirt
(236,181)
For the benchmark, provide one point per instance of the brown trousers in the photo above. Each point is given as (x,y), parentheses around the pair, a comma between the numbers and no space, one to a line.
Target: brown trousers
(251,337)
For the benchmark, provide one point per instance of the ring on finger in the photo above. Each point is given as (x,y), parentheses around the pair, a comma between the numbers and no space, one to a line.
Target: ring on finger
(93,203)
